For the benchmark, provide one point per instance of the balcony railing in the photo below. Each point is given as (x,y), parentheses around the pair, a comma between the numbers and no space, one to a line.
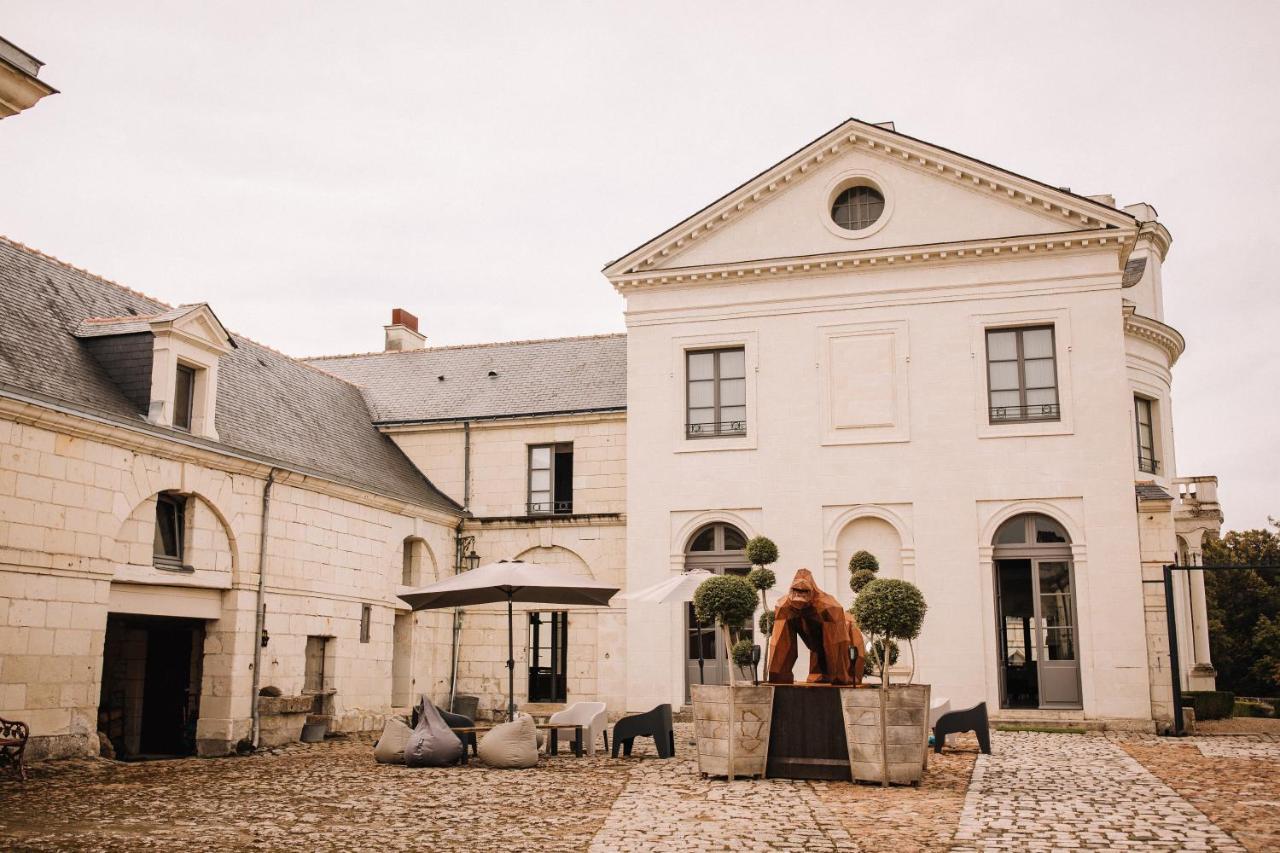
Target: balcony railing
(550,507)
(715,428)
(1038,412)
(1148,464)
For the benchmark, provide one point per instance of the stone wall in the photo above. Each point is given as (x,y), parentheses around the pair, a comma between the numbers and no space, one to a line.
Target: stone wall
(77,510)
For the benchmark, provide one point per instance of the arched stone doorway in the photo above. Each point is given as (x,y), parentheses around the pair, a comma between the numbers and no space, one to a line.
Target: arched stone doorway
(718,547)
(1037,632)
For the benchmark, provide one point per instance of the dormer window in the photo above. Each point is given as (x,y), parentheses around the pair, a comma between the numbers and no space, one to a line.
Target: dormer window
(184,390)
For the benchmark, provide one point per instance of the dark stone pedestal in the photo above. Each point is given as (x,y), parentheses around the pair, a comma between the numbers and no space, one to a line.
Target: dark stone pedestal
(806,738)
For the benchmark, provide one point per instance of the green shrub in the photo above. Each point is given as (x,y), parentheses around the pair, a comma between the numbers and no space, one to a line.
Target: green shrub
(726,599)
(891,608)
(761,552)
(864,561)
(762,578)
(766,624)
(875,652)
(1210,704)
(741,653)
(859,579)
(1251,708)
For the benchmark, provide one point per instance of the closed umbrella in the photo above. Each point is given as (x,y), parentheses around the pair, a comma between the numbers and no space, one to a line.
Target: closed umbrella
(510,581)
(679,588)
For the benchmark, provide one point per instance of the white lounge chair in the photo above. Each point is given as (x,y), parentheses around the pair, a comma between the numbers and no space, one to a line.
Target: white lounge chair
(593,719)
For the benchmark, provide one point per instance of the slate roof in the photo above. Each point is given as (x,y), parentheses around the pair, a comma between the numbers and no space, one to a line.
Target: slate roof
(1133,271)
(270,407)
(559,375)
(1149,491)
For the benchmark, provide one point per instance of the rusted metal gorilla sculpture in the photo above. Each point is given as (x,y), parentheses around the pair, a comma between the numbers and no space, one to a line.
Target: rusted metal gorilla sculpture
(825,628)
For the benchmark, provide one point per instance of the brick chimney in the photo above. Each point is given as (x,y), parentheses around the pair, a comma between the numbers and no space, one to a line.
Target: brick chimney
(403,332)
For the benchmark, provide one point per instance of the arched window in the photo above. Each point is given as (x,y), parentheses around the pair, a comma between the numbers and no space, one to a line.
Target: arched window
(415,552)
(716,543)
(718,548)
(1035,603)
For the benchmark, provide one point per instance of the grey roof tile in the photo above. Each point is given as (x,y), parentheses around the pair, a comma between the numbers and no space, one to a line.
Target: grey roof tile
(557,375)
(1133,271)
(1149,491)
(269,406)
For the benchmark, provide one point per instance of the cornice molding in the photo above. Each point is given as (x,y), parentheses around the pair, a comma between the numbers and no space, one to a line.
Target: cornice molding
(1004,248)
(1152,331)
(77,425)
(1074,211)
(1158,236)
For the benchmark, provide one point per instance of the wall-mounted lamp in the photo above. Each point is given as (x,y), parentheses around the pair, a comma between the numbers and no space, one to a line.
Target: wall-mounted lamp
(473,560)
(266,638)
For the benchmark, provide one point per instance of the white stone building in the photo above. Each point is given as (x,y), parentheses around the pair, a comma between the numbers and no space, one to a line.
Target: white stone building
(874,344)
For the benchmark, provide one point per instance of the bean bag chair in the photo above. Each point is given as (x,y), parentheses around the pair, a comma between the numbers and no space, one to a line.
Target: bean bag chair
(511,745)
(391,743)
(432,743)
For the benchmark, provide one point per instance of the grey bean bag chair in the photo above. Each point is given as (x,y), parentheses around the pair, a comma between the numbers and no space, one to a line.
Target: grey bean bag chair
(511,745)
(390,746)
(432,743)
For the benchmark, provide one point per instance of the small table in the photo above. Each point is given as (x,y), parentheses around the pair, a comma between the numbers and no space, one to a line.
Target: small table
(553,747)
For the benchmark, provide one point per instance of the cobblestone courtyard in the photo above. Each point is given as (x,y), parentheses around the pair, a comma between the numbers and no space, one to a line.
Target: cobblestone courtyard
(1037,791)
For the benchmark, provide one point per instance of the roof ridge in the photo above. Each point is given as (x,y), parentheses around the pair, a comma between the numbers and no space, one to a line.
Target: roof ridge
(600,336)
(126,318)
(31,250)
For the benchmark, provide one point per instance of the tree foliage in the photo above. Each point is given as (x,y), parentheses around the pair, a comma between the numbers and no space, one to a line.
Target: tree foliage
(762,578)
(859,579)
(761,551)
(741,653)
(766,623)
(726,599)
(890,608)
(864,561)
(1244,611)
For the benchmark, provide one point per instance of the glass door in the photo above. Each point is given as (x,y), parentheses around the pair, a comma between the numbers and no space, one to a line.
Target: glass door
(1055,616)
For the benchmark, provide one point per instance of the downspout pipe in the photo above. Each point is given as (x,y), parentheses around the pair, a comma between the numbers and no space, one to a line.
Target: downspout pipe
(458,559)
(260,611)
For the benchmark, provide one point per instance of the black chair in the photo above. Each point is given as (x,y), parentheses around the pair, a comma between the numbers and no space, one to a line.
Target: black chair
(655,724)
(454,721)
(969,720)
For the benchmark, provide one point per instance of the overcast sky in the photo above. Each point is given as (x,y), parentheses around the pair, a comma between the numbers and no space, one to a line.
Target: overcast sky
(305,167)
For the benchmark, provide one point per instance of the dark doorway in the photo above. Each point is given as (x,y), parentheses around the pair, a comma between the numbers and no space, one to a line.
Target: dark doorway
(1019,653)
(151,675)
(548,656)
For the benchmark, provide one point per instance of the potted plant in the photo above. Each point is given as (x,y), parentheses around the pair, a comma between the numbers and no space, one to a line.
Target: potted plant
(731,721)
(887,729)
(763,553)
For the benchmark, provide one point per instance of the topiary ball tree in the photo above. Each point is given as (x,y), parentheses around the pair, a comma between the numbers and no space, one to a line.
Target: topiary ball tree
(859,579)
(889,609)
(762,578)
(864,560)
(741,653)
(728,600)
(766,624)
(761,552)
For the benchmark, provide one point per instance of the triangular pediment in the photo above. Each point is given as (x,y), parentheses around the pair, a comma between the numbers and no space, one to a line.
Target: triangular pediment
(198,324)
(933,196)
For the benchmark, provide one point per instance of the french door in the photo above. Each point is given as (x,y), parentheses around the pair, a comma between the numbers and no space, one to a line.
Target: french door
(1039,656)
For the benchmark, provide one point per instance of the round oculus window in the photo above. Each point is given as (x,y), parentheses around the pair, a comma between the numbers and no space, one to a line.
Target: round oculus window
(857,207)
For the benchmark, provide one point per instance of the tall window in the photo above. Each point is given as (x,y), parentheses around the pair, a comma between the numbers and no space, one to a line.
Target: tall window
(1146,440)
(551,479)
(313,674)
(171,523)
(548,655)
(183,397)
(717,392)
(366,622)
(1022,377)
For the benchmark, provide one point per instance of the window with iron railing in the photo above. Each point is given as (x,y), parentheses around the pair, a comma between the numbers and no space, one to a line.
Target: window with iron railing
(1022,375)
(1147,461)
(550,479)
(716,392)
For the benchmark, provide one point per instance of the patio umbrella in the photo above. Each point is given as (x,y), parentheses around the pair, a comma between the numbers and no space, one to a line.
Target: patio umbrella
(510,581)
(678,588)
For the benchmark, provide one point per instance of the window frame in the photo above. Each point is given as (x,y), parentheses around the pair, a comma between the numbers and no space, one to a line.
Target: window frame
(366,622)
(1149,463)
(184,407)
(162,559)
(1020,359)
(716,406)
(857,204)
(555,507)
